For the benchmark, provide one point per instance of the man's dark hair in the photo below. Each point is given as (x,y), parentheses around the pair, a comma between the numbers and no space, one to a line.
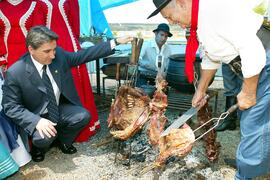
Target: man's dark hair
(39,35)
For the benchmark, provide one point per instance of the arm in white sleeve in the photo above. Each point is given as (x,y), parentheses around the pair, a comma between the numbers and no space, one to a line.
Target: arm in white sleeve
(253,57)
(167,58)
(207,64)
(243,36)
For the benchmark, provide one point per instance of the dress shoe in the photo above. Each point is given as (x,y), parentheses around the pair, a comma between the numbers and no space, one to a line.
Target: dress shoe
(55,143)
(37,154)
(67,149)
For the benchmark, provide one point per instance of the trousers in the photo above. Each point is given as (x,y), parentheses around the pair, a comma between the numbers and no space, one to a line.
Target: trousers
(232,82)
(72,120)
(253,153)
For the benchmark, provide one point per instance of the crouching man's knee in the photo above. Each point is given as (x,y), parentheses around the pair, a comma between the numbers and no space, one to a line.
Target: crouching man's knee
(40,142)
(83,118)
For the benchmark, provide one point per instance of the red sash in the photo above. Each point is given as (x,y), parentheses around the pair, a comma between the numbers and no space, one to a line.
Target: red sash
(192,44)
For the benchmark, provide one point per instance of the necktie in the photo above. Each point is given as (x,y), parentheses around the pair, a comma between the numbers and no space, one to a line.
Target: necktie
(192,44)
(52,106)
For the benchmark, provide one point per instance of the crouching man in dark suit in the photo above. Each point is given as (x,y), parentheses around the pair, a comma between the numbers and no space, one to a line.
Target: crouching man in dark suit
(39,93)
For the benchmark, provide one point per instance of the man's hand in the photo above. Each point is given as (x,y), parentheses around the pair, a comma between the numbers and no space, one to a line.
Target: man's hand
(46,127)
(124,39)
(198,99)
(247,97)
(246,100)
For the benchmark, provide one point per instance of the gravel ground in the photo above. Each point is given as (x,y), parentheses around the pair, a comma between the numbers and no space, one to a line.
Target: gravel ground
(92,162)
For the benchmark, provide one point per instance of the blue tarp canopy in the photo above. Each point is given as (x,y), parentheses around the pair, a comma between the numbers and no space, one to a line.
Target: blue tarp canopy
(106,4)
(91,15)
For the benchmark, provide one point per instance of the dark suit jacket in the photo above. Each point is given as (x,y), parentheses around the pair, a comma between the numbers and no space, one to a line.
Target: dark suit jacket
(24,93)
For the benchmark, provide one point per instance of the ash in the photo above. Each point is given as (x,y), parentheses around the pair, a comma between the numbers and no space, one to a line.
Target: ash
(99,163)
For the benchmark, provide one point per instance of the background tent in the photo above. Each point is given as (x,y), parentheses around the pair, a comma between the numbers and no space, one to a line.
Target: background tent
(91,15)
(106,4)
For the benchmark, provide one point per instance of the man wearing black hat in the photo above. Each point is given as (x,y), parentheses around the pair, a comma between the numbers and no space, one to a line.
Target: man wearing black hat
(151,53)
(236,38)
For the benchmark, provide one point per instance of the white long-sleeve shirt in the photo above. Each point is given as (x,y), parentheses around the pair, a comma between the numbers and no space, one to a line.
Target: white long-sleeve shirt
(149,54)
(39,68)
(226,29)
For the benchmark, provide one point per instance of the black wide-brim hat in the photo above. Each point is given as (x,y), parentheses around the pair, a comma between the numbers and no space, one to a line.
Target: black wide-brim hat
(164,27)
(160,4)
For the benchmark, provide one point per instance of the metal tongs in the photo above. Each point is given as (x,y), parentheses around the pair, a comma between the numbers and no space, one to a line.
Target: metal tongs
(217,120)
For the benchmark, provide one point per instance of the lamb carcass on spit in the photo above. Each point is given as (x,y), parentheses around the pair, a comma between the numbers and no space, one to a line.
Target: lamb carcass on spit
(129,112)
(158,107)
(178,142)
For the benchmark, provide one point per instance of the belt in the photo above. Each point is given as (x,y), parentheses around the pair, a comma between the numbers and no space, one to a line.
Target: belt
(266,23)
(236,65)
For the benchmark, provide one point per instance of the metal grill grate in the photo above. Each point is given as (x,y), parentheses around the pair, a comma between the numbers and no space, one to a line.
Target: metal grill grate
(182,101)
(178,100)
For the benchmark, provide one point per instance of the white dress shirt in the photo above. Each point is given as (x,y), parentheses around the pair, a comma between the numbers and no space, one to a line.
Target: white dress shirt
(54,85)
(226,29)
(149,55)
